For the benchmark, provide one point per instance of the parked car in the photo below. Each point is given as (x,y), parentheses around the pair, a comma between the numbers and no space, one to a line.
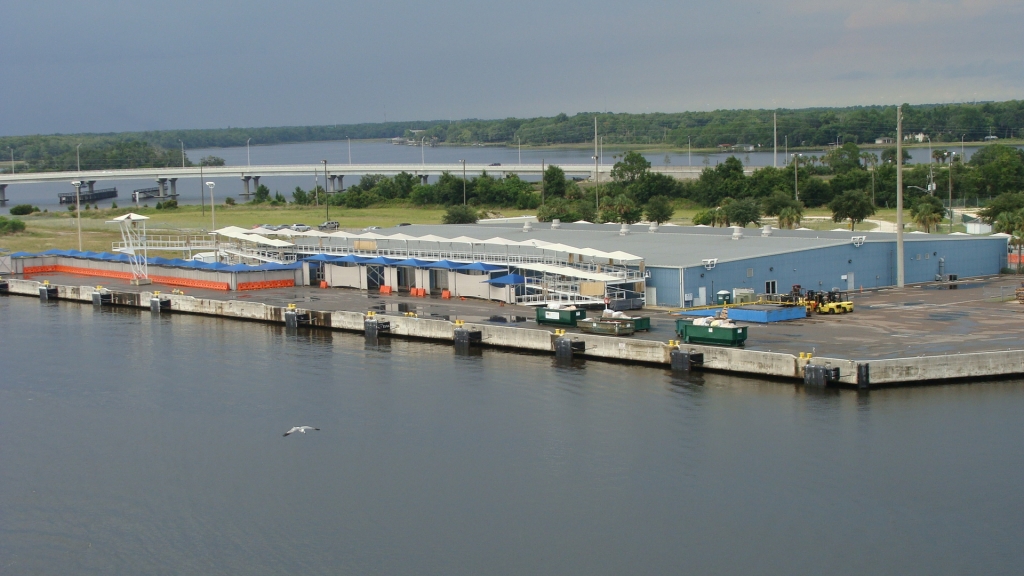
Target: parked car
(403,224)
(328,226)
(495,164)
(300,228)
(274,227)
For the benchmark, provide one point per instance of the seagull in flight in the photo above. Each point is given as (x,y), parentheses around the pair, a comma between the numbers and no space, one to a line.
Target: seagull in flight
(300,429)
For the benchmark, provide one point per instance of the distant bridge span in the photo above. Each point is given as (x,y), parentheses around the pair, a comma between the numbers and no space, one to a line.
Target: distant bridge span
(334,172)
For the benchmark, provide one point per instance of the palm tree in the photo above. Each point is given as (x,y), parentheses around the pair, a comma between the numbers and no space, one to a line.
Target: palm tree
(925,216)
(789,217)
(1012,223)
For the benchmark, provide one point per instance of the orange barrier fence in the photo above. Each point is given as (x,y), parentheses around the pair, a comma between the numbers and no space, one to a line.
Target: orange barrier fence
(169,280)
(418,292)
(1012,259)
(446,294)
(266,284)
(385,290)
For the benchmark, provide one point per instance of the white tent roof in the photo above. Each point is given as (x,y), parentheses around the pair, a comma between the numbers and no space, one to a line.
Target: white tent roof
(465,240)
(568,271)
(243,234)
(131,217)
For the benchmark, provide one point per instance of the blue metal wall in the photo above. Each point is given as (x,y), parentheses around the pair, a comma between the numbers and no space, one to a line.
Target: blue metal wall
(666,283)
(873,265)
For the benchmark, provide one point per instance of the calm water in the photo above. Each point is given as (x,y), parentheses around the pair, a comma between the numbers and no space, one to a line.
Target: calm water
(134,444)
(45,195)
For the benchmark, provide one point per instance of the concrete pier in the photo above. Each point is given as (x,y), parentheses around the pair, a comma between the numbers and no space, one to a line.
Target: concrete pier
(245,185)
(812,371)
(174,187)
(3,194)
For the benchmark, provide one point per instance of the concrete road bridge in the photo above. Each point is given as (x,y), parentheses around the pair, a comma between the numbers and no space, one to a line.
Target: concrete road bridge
(336,173)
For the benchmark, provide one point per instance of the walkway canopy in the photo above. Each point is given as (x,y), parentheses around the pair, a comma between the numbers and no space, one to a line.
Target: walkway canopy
(482,267)
(507,280)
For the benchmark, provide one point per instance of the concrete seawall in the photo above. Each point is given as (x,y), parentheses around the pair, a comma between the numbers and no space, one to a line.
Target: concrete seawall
(736,360)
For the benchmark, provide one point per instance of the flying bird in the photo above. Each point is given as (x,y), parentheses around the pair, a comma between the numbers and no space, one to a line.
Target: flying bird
(300,429)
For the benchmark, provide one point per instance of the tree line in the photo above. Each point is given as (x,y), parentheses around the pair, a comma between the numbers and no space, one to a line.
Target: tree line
(798,127)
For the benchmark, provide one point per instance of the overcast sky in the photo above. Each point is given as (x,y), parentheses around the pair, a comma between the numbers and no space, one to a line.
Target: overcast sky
(107,65)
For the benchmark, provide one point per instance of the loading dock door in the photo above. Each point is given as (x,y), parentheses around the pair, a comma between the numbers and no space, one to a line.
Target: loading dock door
(702,296)
(850,284)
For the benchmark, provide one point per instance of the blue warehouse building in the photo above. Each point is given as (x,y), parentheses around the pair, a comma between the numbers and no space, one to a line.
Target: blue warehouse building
(687,266)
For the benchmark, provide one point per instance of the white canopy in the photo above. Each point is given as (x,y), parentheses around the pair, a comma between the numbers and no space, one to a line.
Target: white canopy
(243,234)
(573,272)
(130,217)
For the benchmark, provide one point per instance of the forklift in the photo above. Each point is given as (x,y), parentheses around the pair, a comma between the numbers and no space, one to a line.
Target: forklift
(834,301)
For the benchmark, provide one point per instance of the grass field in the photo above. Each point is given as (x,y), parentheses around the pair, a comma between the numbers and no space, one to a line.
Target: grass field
(58,229)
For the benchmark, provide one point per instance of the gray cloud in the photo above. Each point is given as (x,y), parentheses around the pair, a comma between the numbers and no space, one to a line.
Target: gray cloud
(110,65)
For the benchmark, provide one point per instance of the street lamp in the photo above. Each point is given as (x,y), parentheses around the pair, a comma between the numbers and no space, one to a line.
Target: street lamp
(12,159)
(327,199)
(952,155)
(78,209)
(463,182)
(597,186)
(520,142)
(182,153)
(796,176)
(78,157)
(213,213)
(247,162)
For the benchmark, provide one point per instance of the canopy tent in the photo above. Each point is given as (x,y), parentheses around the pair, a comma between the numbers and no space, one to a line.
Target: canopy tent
(351,259)
(571,272)
(320,258)
(415,262)
(242,234)
(446,264)
(22,255)
(381,261)
(482,267)
(507,280)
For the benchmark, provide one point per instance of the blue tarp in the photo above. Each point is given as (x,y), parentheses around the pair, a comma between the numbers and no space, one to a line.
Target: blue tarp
(22,255)
(481,266)
(382,261)
(507,280)
(414,262)
(55,252)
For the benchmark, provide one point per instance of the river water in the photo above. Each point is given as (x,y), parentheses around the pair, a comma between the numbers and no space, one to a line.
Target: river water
(135,444)
(367,151)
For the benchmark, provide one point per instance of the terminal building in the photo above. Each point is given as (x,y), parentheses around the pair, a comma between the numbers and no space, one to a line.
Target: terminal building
(530,263)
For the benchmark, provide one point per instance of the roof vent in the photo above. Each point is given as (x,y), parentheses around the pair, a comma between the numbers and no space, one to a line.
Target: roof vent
(767,230)
(737,233)
(527,227)
(653,228)
(556,224)
(624,229)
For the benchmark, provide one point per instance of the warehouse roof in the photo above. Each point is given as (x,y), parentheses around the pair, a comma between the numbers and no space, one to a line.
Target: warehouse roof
(683,246)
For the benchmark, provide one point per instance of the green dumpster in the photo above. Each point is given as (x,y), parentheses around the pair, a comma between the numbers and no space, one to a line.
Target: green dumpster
(641,323)
(560,316)
(714,335)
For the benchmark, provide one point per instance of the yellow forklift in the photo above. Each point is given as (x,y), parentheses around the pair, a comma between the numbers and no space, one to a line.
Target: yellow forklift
(833,302)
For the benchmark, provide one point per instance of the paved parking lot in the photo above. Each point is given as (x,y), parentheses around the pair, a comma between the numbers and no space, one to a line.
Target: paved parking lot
(915,321)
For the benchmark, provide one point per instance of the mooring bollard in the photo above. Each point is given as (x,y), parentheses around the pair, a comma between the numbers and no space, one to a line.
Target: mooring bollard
(293,319)
(864,376)
(684,360)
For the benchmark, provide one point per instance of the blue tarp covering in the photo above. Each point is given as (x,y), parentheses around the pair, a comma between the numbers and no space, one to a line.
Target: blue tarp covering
(320,258)
(178,262)
(481,266)
(414,262)
(507,280)
(22,255)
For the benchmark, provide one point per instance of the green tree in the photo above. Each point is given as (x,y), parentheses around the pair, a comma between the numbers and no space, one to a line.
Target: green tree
(631,168)
(777,202)
(22,210)
(790,216)
(211,161)
(262,195)
(11,225)
(459,214)
(554,182)
(1005,202)
(658,209)
(852,205)
(621,209)
(927,212)
(889,156)
(704,217)
(300,197)
(1012,223)
(743,211)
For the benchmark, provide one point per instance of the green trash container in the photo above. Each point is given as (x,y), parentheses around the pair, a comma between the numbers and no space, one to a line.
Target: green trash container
(723,297)
(560,316)
(642,323)
(713,335)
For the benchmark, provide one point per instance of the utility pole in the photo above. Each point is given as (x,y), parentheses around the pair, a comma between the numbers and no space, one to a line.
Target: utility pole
(597,175)
(951,192)
(796,176)
(327,199)
(182,153)
(899,197)
(689,157)
(79,158)
(78,210)
(542,182)
(463,182)
(775,136)
(202,191)
(349,149)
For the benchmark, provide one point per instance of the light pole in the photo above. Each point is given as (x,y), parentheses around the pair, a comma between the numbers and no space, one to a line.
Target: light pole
(327,199)
(12,160)
(900,277)
(520,150)
(597,186)
(182,153)
(423,157)
(952,155)
(213,212)
(796,176)
(78,210)
(247,162)
(349,149)
(689,157)
(463,182)
(78,157)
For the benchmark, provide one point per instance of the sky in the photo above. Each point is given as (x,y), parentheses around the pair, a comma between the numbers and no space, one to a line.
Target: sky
(108,66)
